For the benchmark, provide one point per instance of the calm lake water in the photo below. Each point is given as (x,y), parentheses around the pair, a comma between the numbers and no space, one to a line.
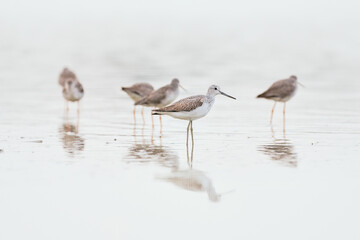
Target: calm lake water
(102,177)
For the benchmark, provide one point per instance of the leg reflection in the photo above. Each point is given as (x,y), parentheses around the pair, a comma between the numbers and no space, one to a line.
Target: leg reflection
(280,150)
(152,136)
(160,126)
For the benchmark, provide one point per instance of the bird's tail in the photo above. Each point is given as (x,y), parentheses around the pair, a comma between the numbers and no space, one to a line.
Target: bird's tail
(156,112)
(261,95)
(141,101)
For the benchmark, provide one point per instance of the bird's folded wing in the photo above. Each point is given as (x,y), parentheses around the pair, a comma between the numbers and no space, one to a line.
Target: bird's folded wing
(184,105)
(279,89)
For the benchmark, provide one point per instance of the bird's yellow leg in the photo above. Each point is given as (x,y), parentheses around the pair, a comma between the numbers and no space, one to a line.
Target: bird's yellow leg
(187,134)
(284,109)
(272,112)
(152,121)
(78,110)
(187,141)
(192,139)
(142,115)
(66,110)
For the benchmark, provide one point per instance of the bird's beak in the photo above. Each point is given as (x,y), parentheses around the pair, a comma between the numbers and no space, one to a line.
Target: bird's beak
(301,84)
(227,95)
(182,88)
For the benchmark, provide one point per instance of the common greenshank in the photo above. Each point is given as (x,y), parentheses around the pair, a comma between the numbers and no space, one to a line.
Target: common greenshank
(192,108)
(161,97)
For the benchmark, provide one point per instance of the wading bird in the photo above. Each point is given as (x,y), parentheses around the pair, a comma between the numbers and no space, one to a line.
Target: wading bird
(73,91)
(161,97)
(281,91)
(137,92)
(192,108)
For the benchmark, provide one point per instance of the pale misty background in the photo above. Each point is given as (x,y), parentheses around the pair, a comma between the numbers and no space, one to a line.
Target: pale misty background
(114,180)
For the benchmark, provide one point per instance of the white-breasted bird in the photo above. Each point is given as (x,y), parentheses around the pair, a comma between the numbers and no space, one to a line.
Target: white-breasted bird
(192,108)
(161,97)
(72,91)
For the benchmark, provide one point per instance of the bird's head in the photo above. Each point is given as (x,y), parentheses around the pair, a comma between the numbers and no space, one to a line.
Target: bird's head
(175,83)
(215,90)
(293,77)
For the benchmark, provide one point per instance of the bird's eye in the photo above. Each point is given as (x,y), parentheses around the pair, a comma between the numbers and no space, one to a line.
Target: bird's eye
(216,88)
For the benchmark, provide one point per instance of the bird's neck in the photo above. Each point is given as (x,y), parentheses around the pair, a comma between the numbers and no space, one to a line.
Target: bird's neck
(210,98)
(210,95)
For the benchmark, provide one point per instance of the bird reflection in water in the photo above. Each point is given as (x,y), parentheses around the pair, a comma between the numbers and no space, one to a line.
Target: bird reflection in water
(188,179)
(192,180)
(151,153)
(280,150)
(143,132)
(72,142)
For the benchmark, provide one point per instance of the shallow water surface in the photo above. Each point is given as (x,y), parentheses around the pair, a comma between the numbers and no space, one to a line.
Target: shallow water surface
(100,176)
